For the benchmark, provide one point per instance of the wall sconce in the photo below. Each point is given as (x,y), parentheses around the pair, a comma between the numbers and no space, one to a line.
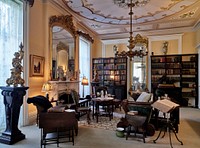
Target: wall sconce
(84,82)
(46,88)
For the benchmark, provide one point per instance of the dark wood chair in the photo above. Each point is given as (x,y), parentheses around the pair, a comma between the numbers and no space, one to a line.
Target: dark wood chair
(57,128)
(140,121)
(102,107)
(42,104)
(72,100)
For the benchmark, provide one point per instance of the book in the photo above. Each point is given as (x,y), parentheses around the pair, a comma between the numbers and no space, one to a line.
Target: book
(165,105)
(132,112)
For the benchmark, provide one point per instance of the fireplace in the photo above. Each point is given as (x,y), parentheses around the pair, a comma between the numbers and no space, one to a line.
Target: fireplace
(60,87)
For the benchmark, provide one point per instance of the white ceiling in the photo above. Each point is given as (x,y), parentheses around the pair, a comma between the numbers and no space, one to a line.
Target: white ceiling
(108,21)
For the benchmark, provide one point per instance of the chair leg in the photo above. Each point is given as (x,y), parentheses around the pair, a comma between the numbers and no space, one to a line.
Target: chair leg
(73,136)
(88,116)
(128,132)
(57,138)
(144,137)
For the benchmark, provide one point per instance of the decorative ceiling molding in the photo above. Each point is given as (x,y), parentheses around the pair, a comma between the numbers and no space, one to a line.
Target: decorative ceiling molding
(92,10)
(86,36)
(107,21)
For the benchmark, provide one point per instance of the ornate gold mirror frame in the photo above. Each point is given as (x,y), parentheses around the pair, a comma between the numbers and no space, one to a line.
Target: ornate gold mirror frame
(140,43)
(66,22)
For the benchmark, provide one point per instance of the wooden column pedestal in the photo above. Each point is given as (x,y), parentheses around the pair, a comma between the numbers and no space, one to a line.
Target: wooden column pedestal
(13,100)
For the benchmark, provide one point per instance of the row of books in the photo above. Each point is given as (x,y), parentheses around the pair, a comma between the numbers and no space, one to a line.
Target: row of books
(189,65)
(110,60)
(173,71)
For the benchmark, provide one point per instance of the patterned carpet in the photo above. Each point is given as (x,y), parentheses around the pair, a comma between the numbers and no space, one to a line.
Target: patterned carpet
(103,123)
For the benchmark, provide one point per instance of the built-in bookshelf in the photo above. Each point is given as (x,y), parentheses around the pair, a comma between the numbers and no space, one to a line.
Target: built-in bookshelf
(181,70)
(112,72)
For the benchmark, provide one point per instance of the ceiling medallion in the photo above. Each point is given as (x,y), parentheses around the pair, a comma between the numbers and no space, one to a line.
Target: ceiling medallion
(138,40)
(125,3)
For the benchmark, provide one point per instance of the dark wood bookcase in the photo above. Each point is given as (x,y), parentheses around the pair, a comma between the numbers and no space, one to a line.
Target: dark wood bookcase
(112,73)
(182,71)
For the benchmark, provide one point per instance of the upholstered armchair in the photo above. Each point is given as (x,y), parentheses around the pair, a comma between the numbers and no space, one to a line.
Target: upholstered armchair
(42,104)
(138,114)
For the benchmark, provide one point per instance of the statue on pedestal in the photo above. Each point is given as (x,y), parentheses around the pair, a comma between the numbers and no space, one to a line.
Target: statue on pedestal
(17,69)
(13,100)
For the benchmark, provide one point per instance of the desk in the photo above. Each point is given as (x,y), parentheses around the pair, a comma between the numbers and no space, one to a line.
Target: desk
(106,103)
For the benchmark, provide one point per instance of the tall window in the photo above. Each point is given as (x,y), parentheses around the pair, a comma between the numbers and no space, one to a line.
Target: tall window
(11,35)
(84,65)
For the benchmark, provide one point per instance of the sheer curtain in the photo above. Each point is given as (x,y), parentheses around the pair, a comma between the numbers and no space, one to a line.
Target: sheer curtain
(84,65)
(11,35)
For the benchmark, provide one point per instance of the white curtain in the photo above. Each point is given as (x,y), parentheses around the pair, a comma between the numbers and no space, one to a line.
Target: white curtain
(11,35)
(84,65)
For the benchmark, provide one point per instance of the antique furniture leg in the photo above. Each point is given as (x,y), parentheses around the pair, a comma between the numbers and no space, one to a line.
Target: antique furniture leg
(168,126)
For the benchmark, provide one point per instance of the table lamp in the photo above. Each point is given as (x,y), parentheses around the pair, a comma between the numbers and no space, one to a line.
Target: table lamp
(46,88)
(84,82)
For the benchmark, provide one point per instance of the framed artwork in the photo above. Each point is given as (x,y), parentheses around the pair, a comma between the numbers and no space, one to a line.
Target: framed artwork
(36,66)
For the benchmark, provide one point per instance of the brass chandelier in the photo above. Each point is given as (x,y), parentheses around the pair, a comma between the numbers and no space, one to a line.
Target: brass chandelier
(139,40)
(125,3)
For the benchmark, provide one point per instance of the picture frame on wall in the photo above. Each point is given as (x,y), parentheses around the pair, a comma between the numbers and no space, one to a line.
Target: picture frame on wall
(36,66)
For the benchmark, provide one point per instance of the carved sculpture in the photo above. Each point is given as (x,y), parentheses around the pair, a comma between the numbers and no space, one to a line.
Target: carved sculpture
(165,47)
(17,69)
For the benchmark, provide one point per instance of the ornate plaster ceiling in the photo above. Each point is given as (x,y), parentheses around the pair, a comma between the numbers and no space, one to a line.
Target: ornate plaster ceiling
(108,20)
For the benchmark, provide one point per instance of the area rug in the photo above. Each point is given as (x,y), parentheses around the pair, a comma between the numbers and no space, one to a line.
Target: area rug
(103,123)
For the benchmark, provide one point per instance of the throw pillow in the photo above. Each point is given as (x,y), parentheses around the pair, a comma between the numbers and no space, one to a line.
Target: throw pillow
(144,97)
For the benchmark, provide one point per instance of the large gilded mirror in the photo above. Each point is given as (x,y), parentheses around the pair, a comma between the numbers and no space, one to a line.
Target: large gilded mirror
(139,64)
(62,47)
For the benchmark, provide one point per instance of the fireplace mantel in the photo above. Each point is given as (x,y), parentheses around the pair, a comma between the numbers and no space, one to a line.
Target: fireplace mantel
(62,86)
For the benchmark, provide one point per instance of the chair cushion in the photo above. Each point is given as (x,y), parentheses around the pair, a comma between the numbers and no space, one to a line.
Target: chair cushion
(144,97)
(56,109)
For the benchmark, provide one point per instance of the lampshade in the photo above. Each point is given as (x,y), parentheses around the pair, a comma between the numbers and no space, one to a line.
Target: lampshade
(84,81)
(46,87)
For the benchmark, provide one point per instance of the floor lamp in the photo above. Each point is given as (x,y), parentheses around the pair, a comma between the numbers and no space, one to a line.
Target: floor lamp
(84,82)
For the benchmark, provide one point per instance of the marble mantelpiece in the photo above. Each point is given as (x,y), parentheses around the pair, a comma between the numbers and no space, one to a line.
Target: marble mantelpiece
(62,86)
